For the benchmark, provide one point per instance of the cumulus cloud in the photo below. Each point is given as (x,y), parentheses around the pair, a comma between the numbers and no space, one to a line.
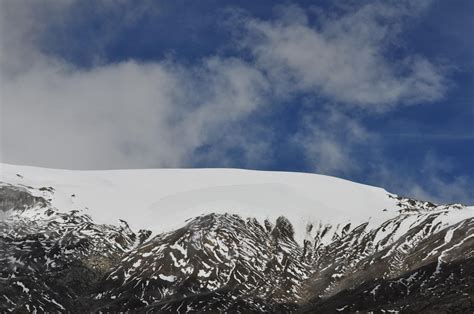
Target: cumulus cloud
(128,114)
(346,57)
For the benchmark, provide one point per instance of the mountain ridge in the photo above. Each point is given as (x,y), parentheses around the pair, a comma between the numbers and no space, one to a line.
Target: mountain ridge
(415,256)
(185,193)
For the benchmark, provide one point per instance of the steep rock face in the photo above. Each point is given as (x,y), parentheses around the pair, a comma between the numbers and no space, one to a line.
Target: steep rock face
(418,236)
(50,260)
(420,259)
(425,269)
(427,289)
(214,263)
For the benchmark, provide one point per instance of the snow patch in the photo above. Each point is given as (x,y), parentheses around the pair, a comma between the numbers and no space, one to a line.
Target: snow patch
(169,278)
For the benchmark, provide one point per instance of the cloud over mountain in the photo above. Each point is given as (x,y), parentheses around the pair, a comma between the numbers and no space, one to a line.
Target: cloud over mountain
(337,64)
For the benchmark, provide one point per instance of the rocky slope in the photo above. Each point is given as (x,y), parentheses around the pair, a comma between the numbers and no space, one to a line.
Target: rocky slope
(419,257)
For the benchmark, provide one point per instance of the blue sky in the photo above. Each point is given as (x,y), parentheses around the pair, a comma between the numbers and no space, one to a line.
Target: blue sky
(378,92)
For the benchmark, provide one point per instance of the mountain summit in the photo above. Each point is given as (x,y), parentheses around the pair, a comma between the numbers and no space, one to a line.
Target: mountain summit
(184,240)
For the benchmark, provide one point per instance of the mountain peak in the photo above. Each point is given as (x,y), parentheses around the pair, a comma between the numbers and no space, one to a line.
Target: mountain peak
(227,240)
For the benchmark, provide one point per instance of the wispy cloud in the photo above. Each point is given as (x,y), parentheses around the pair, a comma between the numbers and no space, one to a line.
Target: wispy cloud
(429,182)
(330,140)
(432,136)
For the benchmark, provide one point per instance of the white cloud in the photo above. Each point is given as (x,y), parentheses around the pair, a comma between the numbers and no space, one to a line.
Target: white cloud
(22,24)
(344,58)
(330,140)
(123,115)
(338,144)
(132,114)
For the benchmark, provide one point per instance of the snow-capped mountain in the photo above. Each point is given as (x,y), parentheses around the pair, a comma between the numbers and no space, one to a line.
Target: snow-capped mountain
(226,240)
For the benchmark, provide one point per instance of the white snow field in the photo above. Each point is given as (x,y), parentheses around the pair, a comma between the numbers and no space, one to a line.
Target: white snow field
(163,199)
